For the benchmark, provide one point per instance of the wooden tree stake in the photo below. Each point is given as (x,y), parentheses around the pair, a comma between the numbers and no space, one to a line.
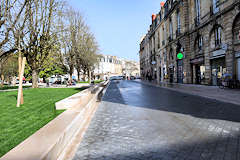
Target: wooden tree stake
(19,72)
(20,87)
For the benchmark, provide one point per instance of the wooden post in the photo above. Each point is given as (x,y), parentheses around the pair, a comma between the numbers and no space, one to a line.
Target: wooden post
(20,66)
(19,73)
(20,89)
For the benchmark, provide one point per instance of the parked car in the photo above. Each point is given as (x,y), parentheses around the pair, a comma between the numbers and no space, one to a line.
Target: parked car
(122,77)
(57,82)
(132,77)
(115,78)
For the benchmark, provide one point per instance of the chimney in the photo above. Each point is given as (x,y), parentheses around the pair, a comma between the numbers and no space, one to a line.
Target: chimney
(162,4)
(153,17)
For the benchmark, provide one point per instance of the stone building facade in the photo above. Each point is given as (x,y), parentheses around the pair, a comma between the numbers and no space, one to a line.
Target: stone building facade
(109,66)
(205,33)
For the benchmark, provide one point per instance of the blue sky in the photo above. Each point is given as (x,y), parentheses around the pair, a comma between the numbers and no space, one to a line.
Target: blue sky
(118,25)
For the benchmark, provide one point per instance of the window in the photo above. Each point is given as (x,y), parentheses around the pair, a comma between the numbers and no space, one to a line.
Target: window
(215,6)
(237,36)
(218,36)
(199,43)
(165,9)
(158,40)
(178,22)
(170,29)
(164,36)
(197,5)
(236,29)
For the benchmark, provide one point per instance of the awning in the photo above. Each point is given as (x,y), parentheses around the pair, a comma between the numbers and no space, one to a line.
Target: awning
(198,60)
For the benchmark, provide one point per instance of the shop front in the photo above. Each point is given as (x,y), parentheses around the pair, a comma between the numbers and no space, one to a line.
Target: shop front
(218,65)
(198,70)
(171,73)
(180,71)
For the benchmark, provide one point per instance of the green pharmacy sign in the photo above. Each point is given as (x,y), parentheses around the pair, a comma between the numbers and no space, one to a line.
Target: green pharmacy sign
(180,55)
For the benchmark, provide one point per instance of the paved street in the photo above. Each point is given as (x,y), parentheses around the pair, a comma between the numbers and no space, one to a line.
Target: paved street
(143,122)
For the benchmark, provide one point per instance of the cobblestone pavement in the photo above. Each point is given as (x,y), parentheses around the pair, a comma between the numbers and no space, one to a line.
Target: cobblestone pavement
(142,122)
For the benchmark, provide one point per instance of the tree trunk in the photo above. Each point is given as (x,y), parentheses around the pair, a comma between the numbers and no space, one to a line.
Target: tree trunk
(89,76)
(78,73)
(71,73)
(14,80)
(34,78)
(2,78)
(44,79)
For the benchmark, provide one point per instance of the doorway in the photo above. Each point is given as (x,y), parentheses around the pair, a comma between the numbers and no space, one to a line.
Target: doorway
(171,72)
(180,71)
(218,69)
(238,68)
(198,75)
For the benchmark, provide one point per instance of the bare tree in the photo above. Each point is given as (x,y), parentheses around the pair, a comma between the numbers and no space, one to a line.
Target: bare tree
(87,54)
(82,45)
(11,12)
(41,36)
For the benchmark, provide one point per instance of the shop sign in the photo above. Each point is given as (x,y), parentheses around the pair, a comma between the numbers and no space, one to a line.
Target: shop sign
(197,60)
(217,54)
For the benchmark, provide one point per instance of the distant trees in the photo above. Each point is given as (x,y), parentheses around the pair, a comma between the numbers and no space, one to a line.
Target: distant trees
(52,36)
(8,69)
(80,47)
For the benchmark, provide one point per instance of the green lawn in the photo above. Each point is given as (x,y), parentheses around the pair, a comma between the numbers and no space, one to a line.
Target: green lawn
(17,124)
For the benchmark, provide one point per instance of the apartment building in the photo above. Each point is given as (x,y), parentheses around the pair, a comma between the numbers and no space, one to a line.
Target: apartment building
(114,66)
(192,41)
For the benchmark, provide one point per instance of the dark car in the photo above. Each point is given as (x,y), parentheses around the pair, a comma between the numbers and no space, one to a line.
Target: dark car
(57,82)
(132,77)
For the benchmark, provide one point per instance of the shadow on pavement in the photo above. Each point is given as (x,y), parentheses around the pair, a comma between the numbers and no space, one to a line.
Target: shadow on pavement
(141,95)
(226,147)
(81,88)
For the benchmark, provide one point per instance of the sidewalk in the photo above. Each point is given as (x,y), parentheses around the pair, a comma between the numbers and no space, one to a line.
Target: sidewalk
(212,92)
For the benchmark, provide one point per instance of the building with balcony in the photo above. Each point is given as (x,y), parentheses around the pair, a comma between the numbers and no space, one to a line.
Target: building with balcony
(192,41)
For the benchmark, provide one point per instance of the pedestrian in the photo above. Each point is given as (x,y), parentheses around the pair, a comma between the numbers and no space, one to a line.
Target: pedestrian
(150,78)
